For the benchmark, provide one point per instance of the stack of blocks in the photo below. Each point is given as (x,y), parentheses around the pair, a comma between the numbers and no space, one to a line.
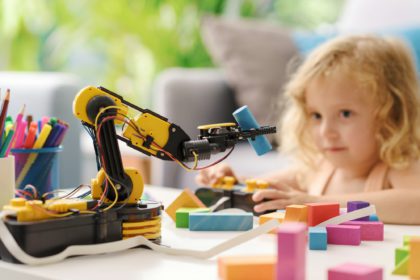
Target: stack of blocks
(189,212)
(348,233)
(407,259)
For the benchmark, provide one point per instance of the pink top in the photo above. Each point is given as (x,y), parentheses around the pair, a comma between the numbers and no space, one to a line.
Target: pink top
(377,179)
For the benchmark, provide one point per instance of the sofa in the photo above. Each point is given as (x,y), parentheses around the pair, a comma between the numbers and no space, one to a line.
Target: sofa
(254,61)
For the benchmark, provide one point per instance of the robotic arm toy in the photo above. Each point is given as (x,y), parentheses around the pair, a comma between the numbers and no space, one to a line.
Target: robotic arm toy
(100,109)
(116,211)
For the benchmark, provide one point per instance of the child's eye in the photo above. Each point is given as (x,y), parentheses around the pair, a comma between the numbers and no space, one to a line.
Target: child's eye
(346,113)
(315,116)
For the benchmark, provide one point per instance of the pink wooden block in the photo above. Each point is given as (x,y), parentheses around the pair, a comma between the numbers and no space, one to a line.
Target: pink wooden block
(354,271)
(372,231)
(343,235)
(291,251)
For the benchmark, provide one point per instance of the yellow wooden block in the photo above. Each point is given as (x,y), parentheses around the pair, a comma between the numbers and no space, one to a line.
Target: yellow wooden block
(186,199)
(296,213)
(414,258)
(279,216)
(247,267)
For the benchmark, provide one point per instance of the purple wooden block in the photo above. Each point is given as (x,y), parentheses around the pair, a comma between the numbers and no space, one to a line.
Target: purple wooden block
(343,235)
(291,251)
(356,205)
(354,271)
(371,231)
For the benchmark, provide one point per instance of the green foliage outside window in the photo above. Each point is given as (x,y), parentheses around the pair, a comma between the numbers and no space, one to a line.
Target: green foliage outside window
(124,44)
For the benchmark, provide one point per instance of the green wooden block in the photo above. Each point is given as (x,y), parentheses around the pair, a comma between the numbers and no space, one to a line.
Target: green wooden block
(402,267)
(400,254)
(182,215)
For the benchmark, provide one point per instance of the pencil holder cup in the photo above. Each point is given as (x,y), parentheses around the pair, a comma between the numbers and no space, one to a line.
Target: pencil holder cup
(37,167)
(7,180)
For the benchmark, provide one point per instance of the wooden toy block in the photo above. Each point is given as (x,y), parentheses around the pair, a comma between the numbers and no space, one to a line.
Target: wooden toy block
(400,254)
(183,215)
(279,216)
(247,267)
(221,221)
(296,213)
(414,258)
(186,199)
(317,238)
(354,271)
(407,238)
(343,235)
(356,205)
(373,218)
(402,267)
(370,231)
(291,251)
(319,212)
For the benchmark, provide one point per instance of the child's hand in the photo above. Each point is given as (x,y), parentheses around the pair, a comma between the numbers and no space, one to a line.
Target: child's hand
(212,175)
(280,198)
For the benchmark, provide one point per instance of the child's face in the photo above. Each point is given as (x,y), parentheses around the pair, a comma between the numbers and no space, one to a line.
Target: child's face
(342,121)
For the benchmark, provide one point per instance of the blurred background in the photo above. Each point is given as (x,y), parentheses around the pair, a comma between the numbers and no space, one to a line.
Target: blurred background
(124,44)
(192,61)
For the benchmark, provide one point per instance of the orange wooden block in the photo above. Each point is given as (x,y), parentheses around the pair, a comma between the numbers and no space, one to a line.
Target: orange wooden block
(296,213)
(319,212)
(186,199)
(279,216)
(414,258)
(247,267)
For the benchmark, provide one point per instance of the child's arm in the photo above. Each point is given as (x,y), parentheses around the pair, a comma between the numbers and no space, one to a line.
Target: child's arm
(394,206)
(399,205)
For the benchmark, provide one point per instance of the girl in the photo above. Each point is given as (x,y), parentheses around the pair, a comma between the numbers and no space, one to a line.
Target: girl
(352,123)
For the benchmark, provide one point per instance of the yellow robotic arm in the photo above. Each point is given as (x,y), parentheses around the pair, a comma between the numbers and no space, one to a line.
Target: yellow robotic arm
(100,110)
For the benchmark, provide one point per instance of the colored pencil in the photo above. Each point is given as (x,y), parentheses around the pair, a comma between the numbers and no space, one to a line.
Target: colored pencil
(20,138)
(18,126)
(30,137)
(7,142)
(3,112)
(29,120)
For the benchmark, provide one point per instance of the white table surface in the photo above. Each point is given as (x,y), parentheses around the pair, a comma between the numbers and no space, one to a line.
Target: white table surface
(141,263)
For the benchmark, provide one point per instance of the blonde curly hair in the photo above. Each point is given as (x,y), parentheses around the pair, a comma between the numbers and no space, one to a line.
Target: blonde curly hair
(383,65)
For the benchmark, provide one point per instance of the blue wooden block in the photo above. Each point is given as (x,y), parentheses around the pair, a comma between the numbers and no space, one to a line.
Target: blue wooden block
(317,238)
(373,218)
(183,214)
(221,221)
